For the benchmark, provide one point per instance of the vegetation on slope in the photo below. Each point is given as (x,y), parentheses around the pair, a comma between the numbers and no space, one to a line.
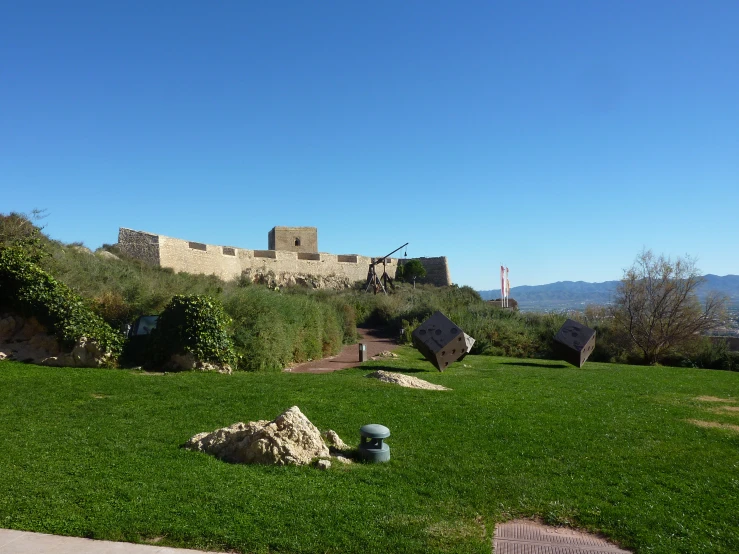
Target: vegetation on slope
(273,329)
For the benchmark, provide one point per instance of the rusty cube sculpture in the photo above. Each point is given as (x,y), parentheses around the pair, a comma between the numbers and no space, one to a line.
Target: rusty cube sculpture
(441,341)
(574,342)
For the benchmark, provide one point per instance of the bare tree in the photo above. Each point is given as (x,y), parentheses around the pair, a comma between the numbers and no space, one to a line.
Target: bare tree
(657,305)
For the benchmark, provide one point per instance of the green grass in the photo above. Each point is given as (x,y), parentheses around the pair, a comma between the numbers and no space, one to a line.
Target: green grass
(96,453)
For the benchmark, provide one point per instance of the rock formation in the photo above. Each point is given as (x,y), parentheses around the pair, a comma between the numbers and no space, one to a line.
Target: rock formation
(404,380)
(26,340)
(188,362)
(290,439)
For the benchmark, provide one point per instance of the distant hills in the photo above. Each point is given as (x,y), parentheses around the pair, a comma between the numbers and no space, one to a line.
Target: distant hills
(573,295)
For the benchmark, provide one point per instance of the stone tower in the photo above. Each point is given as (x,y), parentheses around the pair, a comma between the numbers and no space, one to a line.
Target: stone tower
(293,239)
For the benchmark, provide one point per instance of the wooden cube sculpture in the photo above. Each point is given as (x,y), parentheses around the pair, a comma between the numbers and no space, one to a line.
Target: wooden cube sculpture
(574,342)
(441,341)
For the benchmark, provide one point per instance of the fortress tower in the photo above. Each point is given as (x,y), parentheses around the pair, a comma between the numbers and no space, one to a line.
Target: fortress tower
(293,239)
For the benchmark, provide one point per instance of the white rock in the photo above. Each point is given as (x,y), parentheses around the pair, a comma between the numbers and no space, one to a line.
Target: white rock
(385,354)
(404,380)
(187,362)
(333,439)
(290,439)
(323,464)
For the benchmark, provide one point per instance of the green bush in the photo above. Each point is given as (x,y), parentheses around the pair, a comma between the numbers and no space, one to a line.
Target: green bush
(18,230)
(196,325)
(707,353)
(31,291)
(274,330)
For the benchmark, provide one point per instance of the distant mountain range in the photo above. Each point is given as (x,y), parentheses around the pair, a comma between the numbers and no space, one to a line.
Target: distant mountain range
(573,295)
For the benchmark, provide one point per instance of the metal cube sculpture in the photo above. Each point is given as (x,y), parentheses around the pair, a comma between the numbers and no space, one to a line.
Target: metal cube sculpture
(441,341)
(574,342)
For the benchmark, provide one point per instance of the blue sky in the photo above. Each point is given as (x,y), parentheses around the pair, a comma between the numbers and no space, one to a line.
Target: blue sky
(560,138)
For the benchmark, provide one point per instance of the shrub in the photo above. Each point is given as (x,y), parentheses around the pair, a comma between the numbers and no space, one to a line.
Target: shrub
(196,325)
(274,330)
(31,291)
(18,230)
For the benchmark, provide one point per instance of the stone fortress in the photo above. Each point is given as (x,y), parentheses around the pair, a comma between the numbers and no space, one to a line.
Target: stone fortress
(292,257)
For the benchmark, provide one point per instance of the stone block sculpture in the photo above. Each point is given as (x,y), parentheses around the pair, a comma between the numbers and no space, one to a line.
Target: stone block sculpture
(574,342)
(441,341)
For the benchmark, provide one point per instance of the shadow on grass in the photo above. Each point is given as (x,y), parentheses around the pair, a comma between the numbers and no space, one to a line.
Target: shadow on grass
(529,364)
(399,369)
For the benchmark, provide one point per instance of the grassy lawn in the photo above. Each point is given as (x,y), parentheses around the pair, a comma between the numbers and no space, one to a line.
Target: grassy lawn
(609,448)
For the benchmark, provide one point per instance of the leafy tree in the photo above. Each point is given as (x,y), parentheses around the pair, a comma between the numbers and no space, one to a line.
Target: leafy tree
(657,306)
(412,270)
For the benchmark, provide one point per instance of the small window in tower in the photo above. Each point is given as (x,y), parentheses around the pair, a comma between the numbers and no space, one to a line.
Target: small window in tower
(297,241)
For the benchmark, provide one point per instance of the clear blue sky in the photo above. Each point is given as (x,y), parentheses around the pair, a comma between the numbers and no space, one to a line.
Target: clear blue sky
(557,137)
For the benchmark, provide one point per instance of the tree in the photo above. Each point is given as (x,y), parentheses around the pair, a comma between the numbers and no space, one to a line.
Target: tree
(412,270)
(657,306)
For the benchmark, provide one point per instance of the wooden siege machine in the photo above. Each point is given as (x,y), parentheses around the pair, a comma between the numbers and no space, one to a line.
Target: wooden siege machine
(375,283)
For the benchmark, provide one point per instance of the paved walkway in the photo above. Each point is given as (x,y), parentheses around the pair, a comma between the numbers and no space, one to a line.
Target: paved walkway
(25,542)
(376,341)
(511,537)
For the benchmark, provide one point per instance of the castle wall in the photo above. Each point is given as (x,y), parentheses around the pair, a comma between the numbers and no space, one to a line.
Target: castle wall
(140,245)
(437,271)
(230,263)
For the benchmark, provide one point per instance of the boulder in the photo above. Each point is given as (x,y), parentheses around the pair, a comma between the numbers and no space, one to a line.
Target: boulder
(404,380)
(82,249)
(334,441)
(26,329)
(8,326)
(289,439)
(106,255)
(323,464)
(25,339)
(188,362)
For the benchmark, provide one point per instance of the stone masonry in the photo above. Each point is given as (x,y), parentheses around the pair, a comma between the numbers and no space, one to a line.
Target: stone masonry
(281,266)
(293,239)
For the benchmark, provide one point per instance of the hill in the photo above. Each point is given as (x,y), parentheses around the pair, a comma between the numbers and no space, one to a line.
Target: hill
(569,295)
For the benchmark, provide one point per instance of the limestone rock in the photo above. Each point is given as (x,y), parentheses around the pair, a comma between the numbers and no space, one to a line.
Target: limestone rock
(85,353)
(276,280)
(385,354)
(106,255)
(25,339)
(187,362)
(404,380)
(80,248)
(290,439)
(323,464)
(46,343)
(26,329)
(8,326)
(334,440)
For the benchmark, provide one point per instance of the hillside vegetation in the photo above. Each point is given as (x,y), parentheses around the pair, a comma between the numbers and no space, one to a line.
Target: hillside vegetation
(271,329)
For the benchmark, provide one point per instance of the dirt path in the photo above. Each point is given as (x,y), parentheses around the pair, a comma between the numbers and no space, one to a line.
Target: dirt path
(376,340)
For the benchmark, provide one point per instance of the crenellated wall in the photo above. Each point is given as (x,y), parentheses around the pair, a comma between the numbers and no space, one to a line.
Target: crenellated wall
(228,262)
